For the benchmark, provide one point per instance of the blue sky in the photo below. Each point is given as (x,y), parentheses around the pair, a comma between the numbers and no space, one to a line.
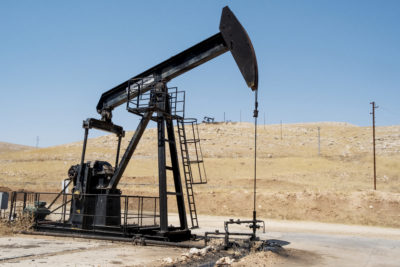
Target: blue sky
(318,61)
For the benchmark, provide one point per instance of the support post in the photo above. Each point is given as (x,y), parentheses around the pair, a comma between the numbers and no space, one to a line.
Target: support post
(12,204)
(264,120)
(118,149)
(177,176)
(161,92)
(129,150)
(78,180)
(162,175)
(84,145)
(373,138)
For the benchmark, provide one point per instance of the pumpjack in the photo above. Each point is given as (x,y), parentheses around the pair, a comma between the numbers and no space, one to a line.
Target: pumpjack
(96,202)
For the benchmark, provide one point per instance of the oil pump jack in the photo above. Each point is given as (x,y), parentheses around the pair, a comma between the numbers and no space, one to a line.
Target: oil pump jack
(95,203)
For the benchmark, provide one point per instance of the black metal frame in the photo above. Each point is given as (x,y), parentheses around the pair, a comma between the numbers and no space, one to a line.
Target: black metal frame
(136,219)
(232,37)
(191,145)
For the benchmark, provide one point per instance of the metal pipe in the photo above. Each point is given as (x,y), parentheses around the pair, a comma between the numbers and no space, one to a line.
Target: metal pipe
(61,206)
(118,149)
(255,162)
(129,150)
(120,239)
(84,145)
(62,192)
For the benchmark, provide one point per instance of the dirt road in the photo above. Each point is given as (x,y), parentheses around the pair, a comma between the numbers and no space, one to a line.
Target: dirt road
(323,244)
(309,243)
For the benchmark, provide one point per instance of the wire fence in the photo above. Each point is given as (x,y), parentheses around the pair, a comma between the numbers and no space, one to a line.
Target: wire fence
(47,208)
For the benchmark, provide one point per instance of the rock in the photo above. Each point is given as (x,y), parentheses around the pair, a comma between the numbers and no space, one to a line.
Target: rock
(224,261)
(194,251)
(184,257)
(167,260)
(237,253)
(204,250)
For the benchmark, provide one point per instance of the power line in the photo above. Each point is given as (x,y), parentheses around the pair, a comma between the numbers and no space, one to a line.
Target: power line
(391,112)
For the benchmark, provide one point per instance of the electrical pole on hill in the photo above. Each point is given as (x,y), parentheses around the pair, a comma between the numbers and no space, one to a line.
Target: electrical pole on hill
(264,120)
(37,141)
(319,142)
(373,138)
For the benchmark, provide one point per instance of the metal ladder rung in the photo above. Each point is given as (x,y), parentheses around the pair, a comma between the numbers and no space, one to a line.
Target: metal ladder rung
(195,161)
(187,171)
(174,193)
(192,141)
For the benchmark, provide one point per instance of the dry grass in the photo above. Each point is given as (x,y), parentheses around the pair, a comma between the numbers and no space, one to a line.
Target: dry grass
(23,223)
(5,230)
(7,147)
(293,181)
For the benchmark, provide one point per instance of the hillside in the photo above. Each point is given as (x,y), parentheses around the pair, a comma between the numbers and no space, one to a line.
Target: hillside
(8,147)
(293,181)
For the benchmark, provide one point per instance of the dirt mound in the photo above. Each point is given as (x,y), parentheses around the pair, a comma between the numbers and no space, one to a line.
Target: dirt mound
(5,189)
(283,257)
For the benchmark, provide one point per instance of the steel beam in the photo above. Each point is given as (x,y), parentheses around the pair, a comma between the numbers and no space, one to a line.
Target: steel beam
(129,150)
(232,37)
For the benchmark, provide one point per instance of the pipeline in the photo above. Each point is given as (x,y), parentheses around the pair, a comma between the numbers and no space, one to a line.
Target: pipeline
(119,239)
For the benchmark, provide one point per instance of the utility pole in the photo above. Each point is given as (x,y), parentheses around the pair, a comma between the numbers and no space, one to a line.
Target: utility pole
(319,142)
(37,141)
(224,116)
(264,120)
(373,138)
(281,130)
(240,115)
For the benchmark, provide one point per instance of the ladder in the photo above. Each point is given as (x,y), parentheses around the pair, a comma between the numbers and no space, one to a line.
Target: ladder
(187,170)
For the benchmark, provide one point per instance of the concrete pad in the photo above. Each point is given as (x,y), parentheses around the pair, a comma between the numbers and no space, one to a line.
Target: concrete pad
(52,251)
(24,246)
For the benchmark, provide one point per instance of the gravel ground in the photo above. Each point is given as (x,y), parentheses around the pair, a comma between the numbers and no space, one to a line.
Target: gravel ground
(306,244)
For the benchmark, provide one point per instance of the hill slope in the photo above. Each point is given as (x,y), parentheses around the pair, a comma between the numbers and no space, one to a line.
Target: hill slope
(8,147)
(293,181)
